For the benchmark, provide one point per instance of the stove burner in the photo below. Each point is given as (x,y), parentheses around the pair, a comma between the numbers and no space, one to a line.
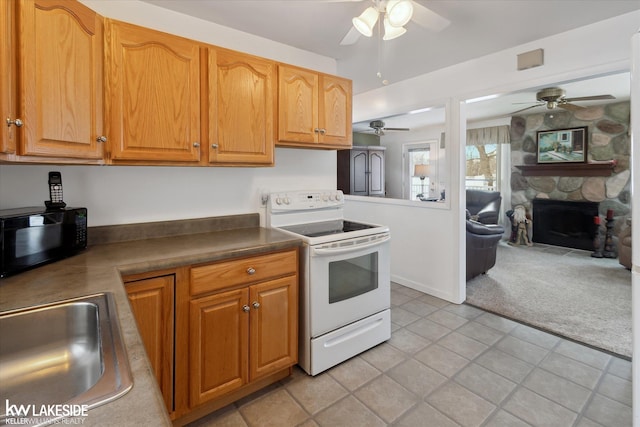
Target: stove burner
(317,229)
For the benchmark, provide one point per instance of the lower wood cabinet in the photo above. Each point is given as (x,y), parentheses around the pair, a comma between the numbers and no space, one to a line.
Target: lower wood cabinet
(239,336)
(152,303)
(217,332)
(242,335)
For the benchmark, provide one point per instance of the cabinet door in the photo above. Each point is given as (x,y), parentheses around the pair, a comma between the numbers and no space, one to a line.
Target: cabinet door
(297,105)
(218,345)
(152,305)
(61,79)
(242,106)
(334,118)
(274,326)
(359,173)
(153,95)
(376,173)
(7,77)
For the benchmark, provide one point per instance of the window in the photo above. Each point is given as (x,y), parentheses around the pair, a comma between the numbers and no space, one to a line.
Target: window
(419,170)
(482,167)
(483,157)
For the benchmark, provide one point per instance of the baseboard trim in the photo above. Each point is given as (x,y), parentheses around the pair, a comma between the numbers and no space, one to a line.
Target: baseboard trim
(425,288)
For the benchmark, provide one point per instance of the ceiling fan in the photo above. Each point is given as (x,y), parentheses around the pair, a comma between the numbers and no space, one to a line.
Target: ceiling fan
(378,127)
(393,14)
(554,97)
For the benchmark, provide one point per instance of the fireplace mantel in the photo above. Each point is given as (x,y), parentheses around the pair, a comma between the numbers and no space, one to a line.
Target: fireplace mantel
(568,169)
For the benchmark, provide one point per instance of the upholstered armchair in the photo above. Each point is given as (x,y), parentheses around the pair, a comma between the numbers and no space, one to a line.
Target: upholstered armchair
(482,244)
(484,206)
(483,231)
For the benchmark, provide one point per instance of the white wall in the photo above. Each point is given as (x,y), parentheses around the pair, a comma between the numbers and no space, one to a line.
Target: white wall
(131,194)
(128,194)
(567,56)
(421,242)
(635,208)
(426,241)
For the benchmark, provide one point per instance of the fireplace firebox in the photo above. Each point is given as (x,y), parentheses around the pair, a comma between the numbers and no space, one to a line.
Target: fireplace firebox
(564,223)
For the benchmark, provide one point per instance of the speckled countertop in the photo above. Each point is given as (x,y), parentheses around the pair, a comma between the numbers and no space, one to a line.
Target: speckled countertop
(99,269)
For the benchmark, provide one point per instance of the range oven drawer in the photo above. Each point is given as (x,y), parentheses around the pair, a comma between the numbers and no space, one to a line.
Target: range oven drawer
(224,274)
(337,346)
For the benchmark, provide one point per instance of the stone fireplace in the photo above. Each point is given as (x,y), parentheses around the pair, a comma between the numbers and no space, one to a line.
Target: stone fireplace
(608,142)
(564,223)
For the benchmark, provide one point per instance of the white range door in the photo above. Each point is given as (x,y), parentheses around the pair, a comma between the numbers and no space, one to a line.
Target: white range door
(348,281)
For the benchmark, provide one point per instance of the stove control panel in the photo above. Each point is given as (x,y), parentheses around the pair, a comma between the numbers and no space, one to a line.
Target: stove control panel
(306,200)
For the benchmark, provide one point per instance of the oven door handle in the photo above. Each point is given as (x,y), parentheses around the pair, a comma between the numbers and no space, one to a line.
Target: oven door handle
(346,249)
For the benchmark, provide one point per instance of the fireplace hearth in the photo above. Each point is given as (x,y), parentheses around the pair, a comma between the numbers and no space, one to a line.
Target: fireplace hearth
(564,223)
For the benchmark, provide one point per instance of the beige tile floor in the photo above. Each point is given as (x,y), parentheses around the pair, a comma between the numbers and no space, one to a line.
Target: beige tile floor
(449,365)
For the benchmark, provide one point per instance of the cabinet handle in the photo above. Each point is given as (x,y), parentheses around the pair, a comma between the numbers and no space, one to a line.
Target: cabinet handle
(16,122)
(246,308)
(323,131)
(251,270)
(256,305)
(316,130)
(196,144)
(214,145)
(101,138)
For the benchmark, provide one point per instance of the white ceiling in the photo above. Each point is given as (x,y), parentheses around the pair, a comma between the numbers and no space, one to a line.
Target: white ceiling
(478,28)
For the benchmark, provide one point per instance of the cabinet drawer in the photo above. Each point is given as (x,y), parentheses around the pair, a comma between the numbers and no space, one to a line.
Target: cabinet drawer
(224,274)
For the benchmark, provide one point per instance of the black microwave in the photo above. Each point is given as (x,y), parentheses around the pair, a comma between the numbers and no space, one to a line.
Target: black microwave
(30,237)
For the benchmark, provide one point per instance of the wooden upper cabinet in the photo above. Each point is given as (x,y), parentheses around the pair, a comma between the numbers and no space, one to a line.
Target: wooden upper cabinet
(60,85)
(241,108)
(314,109)
(8,105)
(297,105)
(335,111)
(152,95)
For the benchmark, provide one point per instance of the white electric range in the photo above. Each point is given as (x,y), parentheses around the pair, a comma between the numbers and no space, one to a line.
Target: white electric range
(345,277)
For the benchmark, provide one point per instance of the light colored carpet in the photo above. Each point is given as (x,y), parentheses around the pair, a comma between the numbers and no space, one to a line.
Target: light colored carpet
(561,290)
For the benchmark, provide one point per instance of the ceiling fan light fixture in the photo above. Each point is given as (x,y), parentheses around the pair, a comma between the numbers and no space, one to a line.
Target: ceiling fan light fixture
(391,32)
(399,12)
(366,21)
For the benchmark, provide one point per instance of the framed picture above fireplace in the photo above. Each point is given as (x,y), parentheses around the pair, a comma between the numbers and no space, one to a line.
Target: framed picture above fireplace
(562,145)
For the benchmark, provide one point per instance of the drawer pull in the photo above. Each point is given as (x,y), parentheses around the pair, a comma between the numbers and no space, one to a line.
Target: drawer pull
(256,305)
(251,270)
(246,308)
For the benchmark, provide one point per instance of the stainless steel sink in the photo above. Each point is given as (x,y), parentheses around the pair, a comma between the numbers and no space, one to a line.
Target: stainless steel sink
(66,353)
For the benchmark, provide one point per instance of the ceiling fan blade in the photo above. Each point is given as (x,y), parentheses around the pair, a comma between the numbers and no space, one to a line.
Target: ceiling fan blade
(528,108)
(351,37)
(571,107)
(397,129)
(590,98)
(428,19)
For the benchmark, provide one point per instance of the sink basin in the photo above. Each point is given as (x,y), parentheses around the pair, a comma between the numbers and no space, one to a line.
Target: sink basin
(66,353)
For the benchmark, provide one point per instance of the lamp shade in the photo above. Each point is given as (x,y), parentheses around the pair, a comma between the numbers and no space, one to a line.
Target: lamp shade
(399,12)
(421,170)
(365,22)
(391,32)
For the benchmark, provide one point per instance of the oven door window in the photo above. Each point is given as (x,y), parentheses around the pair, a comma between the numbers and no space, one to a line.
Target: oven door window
(353,277)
